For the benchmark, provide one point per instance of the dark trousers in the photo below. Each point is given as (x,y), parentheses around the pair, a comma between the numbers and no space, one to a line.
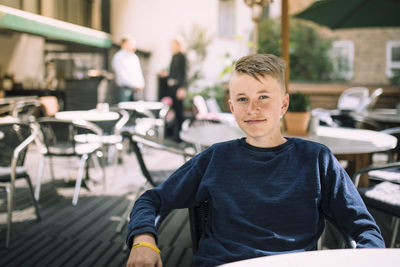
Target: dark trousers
(125,94)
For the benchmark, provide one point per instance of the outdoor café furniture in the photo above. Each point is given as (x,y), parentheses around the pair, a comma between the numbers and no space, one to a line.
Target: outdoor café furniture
(384,192)
(328,258)
(153,177)
(149,117)
(351,103)
(59,141)
(15,138)
(353,145)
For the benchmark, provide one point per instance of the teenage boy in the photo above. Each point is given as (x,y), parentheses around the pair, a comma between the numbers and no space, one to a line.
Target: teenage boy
(268,194)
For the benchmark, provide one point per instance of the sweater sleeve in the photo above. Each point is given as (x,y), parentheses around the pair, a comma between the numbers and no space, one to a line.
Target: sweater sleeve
(181,190)
(342,205)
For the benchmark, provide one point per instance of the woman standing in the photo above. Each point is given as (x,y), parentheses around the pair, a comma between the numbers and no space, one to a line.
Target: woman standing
(176,82)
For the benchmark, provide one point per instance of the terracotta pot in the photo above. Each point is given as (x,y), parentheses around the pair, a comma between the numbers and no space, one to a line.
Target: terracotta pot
(296,123)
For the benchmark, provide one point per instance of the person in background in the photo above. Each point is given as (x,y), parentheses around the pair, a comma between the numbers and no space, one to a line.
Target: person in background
(176,81)
(128,72)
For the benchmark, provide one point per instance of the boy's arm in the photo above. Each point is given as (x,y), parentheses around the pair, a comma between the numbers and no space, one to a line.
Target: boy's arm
(181,190)
(342,203)
(144,255)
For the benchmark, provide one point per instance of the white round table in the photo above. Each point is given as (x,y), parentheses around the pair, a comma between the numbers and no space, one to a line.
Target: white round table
(87,115)
(141,105)
(339,140)
(327,258)
(352,145)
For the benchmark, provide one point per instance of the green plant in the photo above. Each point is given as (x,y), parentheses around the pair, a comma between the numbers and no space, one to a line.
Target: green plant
(395,79)
(309,52)
(299,102)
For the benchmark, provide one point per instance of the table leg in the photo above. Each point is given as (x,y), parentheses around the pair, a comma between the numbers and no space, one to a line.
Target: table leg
(356,162)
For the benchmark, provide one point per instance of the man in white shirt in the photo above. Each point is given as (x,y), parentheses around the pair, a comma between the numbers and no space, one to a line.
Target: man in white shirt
(128,73)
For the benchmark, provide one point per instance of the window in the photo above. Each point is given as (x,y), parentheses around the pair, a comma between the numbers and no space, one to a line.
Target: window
(392,58)
(342,59)
(226,18)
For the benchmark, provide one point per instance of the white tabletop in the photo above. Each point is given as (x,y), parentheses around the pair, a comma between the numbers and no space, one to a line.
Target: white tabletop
(339,140)
(141,105)
(382,115)
(88,115)
(327,258)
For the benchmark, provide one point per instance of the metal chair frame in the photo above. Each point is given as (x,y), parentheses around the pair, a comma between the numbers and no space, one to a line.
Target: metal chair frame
(17,171)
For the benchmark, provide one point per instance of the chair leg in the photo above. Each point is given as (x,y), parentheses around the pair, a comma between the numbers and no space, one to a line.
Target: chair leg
(52,168)
(395,228)
(79,178)
(28,180)
(10,198)
(98,164)
(39,177)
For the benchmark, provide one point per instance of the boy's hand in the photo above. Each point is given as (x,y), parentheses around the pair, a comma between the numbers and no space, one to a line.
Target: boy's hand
(144,256)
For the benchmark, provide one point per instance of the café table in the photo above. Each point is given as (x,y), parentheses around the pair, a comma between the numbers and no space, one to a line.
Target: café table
(92,115)
(143,106)
(155,116)
(327,258)
(353,145)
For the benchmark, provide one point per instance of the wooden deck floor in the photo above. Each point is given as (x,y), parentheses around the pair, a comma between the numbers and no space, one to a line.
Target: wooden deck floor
(85,235)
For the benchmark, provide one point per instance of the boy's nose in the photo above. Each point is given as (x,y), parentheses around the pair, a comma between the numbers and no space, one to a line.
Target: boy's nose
(253,106)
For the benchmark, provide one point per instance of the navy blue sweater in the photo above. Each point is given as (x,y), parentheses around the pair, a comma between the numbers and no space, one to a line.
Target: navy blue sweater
(264,201)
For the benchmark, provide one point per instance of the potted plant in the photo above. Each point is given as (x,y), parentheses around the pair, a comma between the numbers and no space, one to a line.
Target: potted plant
(298,115)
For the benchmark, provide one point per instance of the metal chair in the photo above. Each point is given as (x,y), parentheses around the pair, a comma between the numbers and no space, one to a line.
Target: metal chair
(153,177)
(15,138)
(59,138)
(384,193)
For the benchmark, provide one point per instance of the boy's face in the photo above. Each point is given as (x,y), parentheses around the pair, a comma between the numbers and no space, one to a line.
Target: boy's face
(257,107)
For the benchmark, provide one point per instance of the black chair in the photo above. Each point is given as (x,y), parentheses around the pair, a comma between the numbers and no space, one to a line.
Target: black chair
(15,138)
(59,138)
(153,177)
(198,217)
(383,194)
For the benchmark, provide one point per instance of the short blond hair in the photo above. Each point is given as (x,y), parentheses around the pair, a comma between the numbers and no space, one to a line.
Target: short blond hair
(259,65)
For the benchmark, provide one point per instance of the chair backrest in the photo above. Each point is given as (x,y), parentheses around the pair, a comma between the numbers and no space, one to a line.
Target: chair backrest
(26,109)
(57,132)
(12,135)
(353,98)
(61,133)
(137,139)
(198,217)
(200,105)
(373,98)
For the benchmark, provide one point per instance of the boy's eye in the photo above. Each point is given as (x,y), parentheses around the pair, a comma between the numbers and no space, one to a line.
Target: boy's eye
(263,97)
(241,99)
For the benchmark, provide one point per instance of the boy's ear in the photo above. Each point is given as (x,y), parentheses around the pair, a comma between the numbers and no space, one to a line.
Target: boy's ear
(230,105)
(285,104)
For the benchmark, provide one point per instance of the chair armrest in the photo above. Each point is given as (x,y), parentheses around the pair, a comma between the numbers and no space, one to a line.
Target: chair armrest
(88,125)
(151,142)
(357,174)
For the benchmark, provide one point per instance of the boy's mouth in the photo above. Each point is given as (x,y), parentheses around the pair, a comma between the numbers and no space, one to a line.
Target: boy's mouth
(254,121)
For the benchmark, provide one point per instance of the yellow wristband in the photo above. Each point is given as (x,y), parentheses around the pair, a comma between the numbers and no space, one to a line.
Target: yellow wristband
(146,244)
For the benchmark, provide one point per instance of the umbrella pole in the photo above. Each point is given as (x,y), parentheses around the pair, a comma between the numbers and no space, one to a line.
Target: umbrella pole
(285,40)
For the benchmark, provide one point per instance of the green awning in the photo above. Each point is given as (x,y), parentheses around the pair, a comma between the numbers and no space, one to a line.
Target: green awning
(27,22)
